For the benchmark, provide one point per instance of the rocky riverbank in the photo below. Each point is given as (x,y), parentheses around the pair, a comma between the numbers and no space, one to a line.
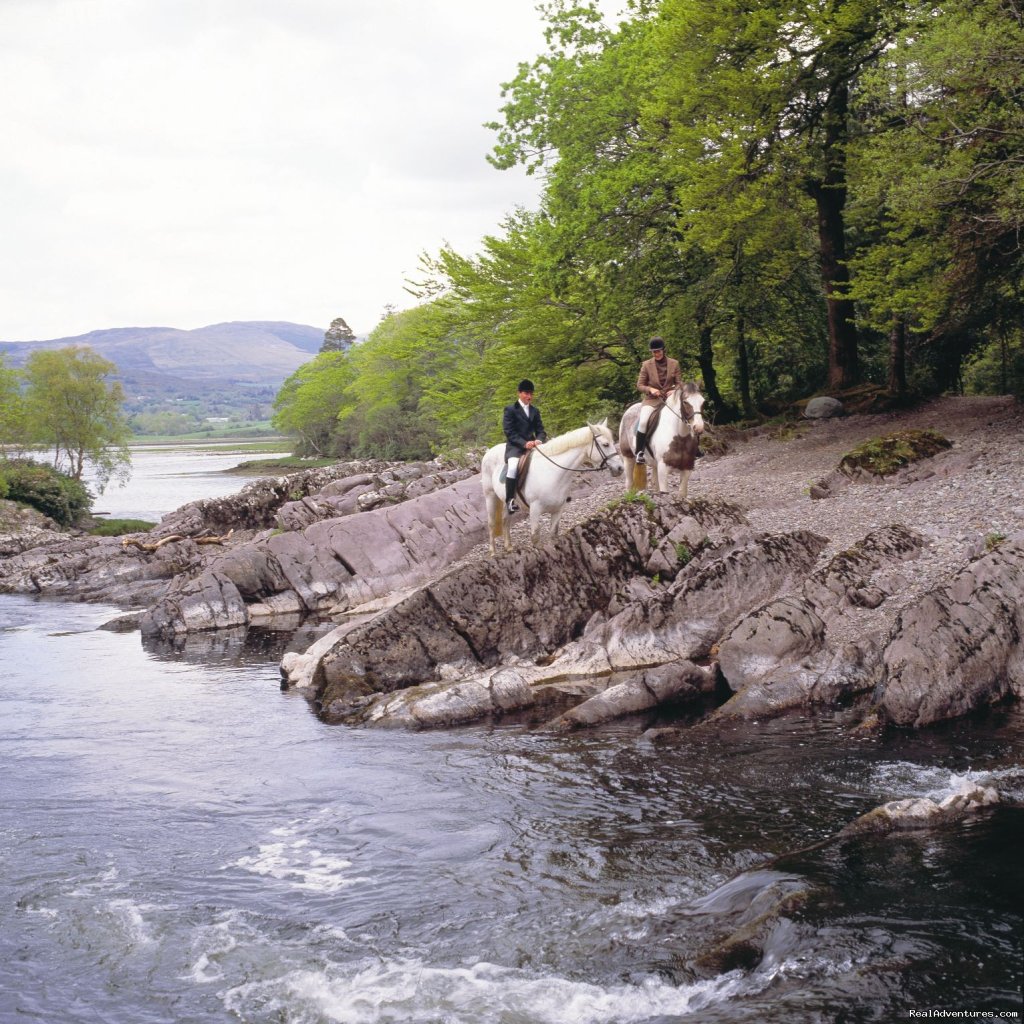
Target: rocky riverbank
(904,592)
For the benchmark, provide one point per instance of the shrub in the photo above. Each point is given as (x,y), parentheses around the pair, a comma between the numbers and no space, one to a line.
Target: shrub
(48,490)
(3,486)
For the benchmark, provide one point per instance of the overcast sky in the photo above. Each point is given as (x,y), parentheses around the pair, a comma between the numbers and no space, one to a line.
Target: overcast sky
(186,162)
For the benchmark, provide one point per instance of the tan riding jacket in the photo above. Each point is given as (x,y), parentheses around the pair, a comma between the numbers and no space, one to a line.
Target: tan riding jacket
(649,378)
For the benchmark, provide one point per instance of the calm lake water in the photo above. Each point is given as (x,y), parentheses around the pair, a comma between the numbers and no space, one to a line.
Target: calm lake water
(180,841)
(164,477)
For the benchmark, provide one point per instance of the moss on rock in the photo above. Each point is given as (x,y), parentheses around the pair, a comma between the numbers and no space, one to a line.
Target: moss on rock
(882,456)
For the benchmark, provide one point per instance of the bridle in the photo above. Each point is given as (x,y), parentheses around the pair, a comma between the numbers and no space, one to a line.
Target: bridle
(683,404)
(605,457)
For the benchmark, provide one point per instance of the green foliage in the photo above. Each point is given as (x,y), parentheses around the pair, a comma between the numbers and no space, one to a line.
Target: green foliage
(118,527)
(13,424)
(73,407)
(163,424)
(46,489)
(4,487)
(307,406)
(993,540)
(798,197)
(997,366)
(884,455)
(683,553)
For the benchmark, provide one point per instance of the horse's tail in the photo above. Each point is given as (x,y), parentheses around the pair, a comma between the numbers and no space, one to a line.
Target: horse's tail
(497,520)
(639,476)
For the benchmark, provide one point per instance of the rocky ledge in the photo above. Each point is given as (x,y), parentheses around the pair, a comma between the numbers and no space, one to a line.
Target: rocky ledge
(903,593)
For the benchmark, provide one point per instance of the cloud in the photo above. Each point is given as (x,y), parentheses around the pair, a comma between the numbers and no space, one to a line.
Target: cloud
(182,163)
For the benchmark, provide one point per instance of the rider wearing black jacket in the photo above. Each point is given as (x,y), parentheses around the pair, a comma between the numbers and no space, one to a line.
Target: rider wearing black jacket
(524,429)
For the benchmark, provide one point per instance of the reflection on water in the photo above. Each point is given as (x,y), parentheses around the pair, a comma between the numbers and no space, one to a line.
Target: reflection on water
(238,645)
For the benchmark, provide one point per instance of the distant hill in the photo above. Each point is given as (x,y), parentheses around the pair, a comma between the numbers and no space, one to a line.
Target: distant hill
(250,352)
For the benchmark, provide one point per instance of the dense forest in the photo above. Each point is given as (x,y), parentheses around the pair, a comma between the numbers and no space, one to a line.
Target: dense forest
(801,197)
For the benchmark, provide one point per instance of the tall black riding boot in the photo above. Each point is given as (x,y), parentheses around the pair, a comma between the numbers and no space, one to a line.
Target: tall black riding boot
(641,444)
(510,496)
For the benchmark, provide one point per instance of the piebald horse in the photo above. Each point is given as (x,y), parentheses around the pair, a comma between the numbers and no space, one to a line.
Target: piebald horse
(553,467)
(672,443)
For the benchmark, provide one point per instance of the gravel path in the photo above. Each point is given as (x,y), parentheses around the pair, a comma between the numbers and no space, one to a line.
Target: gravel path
(960,498)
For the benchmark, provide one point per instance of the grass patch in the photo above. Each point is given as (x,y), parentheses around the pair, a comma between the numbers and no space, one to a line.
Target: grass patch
(117,527)
(285,464)
(882,456)
(633,498)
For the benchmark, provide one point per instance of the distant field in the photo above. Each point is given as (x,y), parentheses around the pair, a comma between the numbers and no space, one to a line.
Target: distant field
(260,440)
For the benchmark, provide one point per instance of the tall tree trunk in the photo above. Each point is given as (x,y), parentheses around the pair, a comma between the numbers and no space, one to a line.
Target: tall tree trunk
(898,358)
(829,194)
(706,361)
(743,360)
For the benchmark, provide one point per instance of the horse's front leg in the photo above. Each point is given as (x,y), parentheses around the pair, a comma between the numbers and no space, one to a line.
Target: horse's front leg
(535,514)
(659,476)
(556,518)
(684,481)
(633,480)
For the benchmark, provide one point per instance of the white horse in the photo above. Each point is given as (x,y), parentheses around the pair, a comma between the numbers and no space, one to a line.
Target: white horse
(672,443)
(553,465)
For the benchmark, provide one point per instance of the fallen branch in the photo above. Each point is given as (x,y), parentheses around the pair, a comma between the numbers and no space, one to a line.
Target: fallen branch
(133,542)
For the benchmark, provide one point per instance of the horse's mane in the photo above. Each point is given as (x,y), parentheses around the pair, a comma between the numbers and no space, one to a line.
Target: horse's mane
(566,442)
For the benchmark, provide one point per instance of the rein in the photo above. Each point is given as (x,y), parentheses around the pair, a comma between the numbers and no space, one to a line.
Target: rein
(682,401)
(586,469)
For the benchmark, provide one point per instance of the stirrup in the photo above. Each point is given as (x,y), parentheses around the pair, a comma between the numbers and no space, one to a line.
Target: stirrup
(511,507)
(641,458)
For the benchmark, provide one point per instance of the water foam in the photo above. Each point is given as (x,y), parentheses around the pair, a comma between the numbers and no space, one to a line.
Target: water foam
(903,779)
(299,864)
(411,992)
(129,918)
(211,944)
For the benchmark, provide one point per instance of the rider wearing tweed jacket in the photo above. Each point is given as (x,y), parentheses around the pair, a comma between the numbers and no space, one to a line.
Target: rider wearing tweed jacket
(659,375)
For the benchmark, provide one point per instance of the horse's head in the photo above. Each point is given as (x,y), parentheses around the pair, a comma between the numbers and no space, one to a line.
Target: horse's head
(691,401)
(603,450)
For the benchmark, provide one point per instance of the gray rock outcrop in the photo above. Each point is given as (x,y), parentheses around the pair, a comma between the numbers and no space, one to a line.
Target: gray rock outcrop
(639,640)
(526,607)
(96,569)
(333,562)
(781,656)
(959,647)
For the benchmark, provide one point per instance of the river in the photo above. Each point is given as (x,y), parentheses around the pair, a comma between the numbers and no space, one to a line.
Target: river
(166,476)
(181,841)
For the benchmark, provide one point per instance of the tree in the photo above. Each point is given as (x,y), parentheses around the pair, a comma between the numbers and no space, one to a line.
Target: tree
(339,337)
(73,406)
(654,221)
(13,427)
(309,401)
(940,190)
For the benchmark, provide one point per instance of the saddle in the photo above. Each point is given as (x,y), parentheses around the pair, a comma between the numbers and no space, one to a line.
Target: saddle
(524,465)
(652,423)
